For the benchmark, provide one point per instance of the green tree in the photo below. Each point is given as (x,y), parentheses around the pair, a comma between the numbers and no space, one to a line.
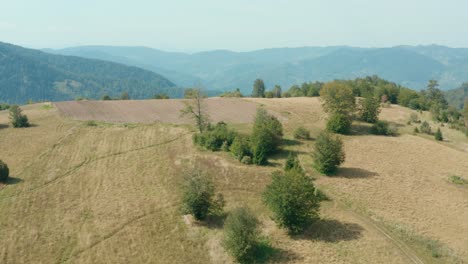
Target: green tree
(277,91)
(17,118)
(106,98)
(438,135)
(339,123)
(291,197)
(258,88)
(4,171)
(198,197)
(293,163)
(425,128)
(266,137)
(195,108)
(240,147)
(161,96)
(338,97)
(370,109)
(124,96)
(328,153)
(241,235)
(301,133)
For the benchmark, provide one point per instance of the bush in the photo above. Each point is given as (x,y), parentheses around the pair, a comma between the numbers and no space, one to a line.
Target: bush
(247,160)
(425,128)
(241,235)
(416,130)
(240,147)
(17,118)
(382,128)
(328,153)
(438,135)
(369,111)
(339,123)
(214,138)
(266,137)
(414,118)
(301,133)
(293,163)
(106,98)
(291,197)
(4,171)
(198,196)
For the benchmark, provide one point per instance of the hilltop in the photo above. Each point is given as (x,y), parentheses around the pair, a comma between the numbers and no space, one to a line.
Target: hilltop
(87,191)
(27,74)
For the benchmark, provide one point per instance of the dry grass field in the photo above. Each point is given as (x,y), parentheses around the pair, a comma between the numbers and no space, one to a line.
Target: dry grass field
(109,192)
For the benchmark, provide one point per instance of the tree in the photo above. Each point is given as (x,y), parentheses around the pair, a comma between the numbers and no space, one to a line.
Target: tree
(291,197)
(425,128)
(4,171)
(124,96)
(161,96)
(338,97)
(240,147)
(258,88)
(199,196)
(302,133)
(241,235)
(277,91)
(370,109)
(438,135)
(339,123)
(17,118)
(328,153)
(266,137)
(195,108)
(382,128)
(106,98)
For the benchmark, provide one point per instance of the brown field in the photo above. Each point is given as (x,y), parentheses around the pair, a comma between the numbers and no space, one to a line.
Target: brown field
(149,111)
(109,193)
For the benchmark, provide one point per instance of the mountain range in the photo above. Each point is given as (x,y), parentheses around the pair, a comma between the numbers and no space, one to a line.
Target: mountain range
(411,66)
(27,74)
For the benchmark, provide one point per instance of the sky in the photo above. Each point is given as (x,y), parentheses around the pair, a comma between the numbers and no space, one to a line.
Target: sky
(239,25)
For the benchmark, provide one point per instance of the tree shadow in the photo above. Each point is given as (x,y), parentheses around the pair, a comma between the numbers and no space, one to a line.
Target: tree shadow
(214,221)
(266,253)
(3,126)
(359,130)
(332,231)
(355,173)
(12,181)
(291,142)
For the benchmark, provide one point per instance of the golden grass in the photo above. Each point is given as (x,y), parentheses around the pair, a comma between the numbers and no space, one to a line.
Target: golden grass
(109,193)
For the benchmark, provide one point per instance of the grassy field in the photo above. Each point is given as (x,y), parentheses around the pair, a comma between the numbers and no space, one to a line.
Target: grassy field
(96,192)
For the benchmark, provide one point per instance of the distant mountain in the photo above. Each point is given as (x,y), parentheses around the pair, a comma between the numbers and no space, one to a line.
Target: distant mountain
(411,66)
(31,74)
(456,97)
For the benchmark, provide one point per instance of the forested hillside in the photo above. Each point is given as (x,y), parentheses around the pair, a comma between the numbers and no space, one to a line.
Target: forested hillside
(411,66)
(27,74)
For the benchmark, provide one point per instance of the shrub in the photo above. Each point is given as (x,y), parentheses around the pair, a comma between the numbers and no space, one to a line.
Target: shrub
(416,130)
(241,235)
(382,128)
(240,147)
(247,160)
(328,153)
(339,123)
(414,118)
(369,111)
(4,171)
(301,133)
(291,197)
(198,196)
(266,137)
(106,98)
(17,118)
(292,163)
(425,128)
(215,137)
(438,135)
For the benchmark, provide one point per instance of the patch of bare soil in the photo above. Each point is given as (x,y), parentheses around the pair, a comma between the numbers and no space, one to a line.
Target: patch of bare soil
(166,111)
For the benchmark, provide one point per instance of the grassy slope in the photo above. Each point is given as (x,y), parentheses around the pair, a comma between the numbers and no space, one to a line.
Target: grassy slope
(109,194)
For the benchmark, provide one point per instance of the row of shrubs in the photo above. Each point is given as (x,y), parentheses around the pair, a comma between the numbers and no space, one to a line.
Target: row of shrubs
(265,139)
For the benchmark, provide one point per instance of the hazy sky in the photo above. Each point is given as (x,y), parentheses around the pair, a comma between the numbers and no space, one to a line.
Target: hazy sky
(237,24)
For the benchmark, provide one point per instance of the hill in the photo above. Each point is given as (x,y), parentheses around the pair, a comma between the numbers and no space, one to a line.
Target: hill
(411,66)
(456,97)
(87,192)
(30,74)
